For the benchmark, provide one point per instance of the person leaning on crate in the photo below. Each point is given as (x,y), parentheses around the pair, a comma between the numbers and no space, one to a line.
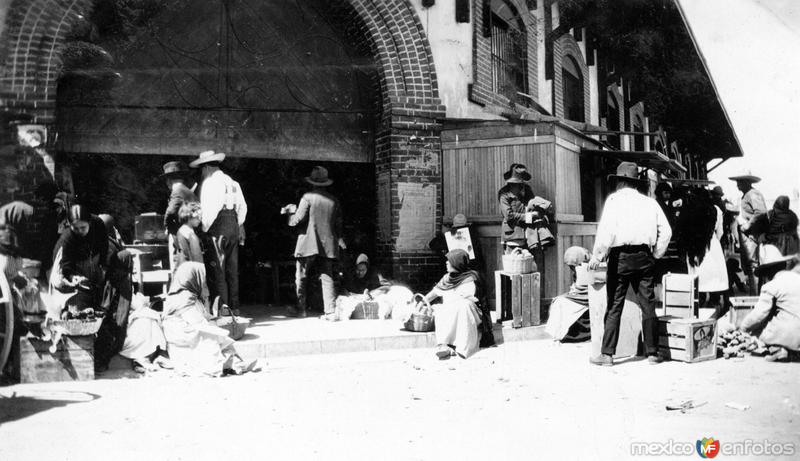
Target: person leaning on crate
(633,232)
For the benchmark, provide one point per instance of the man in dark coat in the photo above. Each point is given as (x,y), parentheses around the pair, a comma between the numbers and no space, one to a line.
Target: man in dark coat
(513,198)
(320,221)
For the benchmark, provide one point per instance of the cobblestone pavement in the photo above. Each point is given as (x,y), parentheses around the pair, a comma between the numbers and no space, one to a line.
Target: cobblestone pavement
(524,400)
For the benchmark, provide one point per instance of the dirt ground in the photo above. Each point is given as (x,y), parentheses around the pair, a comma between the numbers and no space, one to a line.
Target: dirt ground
(524,400)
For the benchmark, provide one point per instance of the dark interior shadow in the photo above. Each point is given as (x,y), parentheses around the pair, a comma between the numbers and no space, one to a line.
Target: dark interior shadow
(16,407)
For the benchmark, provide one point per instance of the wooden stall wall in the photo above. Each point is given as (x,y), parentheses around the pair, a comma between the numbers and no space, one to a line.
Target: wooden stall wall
(474,159)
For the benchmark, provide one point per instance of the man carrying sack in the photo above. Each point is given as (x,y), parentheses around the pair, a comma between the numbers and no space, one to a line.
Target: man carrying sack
(320,220)
(223,213)
(633,232)
(752,206)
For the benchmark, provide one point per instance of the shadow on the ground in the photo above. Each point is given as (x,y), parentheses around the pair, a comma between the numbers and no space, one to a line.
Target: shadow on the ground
(16,407)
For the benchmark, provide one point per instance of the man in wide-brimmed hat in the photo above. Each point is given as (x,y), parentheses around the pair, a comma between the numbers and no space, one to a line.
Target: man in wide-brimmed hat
(751,207)
(319,215)
(514,197)
(223,214)
(633,232)
(176,174)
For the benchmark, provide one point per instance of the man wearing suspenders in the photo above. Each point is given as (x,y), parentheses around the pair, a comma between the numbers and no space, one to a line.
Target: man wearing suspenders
(224,211)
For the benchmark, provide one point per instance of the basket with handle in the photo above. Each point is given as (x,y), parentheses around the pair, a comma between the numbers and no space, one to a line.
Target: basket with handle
(420,319)
(235,325)
(518,262)
(367,309)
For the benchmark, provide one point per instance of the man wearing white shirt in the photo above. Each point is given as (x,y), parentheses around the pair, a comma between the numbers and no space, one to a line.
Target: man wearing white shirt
(223,213)
(633,232)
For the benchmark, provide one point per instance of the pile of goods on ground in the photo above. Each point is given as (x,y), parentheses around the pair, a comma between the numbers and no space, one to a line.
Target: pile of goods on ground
(736,343)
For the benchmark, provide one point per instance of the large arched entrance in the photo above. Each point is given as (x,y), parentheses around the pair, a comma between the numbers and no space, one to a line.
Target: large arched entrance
(273,84)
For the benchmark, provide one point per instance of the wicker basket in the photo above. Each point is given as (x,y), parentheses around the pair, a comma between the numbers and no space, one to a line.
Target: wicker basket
(366,310)
(518,262)
(235,325)
(77,327)
(420,321)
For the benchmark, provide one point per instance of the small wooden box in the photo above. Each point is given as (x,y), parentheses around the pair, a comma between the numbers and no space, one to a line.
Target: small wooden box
(687,340)
(679,295)
(517,298)
(740,307)
(73,361)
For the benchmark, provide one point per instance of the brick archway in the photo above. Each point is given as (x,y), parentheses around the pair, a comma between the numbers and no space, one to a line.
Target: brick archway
(407,142)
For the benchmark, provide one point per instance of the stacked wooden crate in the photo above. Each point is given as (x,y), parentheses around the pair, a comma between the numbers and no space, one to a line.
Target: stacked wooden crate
(681,335)
(517,297)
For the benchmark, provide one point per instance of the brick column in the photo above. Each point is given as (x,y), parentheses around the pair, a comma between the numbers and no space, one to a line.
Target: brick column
(409,191)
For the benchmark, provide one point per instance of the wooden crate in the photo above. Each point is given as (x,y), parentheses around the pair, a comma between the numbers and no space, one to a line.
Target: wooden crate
(687,340)
(517,297)
(740,307)
(679,296)
(73,361)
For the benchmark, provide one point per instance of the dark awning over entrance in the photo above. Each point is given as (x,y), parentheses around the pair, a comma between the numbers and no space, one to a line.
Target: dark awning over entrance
(648,159)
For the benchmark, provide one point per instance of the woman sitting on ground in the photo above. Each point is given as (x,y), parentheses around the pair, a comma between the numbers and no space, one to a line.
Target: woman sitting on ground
(569,313)
(364,278)
(195,346)
(79,256)
(461,311)
(775,319)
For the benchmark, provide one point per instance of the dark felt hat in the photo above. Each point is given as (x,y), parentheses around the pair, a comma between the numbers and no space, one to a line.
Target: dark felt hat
(176,169)
(517,173)
(319,177)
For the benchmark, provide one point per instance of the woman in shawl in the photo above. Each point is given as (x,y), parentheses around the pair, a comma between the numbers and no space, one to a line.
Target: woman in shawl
(462,309)
(78,260)
(698,233)
(195,346)
(781,227)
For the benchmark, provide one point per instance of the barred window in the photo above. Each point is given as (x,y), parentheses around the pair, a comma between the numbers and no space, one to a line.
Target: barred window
(509,50)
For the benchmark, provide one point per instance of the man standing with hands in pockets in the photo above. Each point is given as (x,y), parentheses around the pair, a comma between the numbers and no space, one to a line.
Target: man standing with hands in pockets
(633,232)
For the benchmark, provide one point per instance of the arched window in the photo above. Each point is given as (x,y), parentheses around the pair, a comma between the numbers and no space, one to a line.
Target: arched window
(572,84)
(509,50)
(612,119)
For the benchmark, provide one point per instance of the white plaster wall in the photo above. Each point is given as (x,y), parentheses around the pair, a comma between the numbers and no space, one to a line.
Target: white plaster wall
(451,45)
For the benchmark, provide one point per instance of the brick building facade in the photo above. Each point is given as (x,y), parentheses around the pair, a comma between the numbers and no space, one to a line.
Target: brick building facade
(434,70)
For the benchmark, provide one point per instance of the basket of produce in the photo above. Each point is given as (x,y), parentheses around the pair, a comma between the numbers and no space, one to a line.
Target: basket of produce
(83,323)
(519,261)
(421,318)
(235,325)
(366,310)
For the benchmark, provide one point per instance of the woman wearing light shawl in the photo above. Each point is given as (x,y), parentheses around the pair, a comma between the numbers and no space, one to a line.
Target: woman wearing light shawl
(461,311)
(195,346)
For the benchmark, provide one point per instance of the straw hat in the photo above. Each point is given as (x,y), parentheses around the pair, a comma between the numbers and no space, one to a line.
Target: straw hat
(772,260)
(745,178)
(208,156)
(460,220)
(319,177)
(627,171)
